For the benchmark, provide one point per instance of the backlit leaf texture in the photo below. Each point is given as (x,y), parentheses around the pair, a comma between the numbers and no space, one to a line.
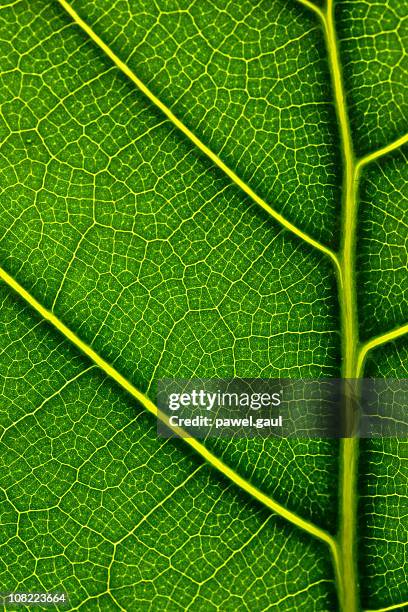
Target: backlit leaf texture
(199,189)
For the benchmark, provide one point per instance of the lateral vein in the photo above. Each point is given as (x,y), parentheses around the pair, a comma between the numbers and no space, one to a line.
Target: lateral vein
(378,341)
(392,146)
(400,606)
(194,139)
(313,7)
(219,465)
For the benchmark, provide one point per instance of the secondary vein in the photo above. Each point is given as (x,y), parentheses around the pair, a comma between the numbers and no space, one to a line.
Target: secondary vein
(313,7)
(224,469)
(195,140)
(400,606)
(392,146)
(366,347)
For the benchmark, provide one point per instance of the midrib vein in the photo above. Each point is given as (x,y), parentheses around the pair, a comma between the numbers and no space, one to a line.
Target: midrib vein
(353,354)
(214,461)
(195,140)
(348,583)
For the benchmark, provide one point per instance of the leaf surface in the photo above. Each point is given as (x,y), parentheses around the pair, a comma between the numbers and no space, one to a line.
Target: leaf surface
(122,227)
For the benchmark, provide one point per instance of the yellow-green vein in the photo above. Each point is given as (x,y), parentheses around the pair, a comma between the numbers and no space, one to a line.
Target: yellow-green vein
(353,354)
(366,347)
(313,7)
(195,140)
(392,146)
(400,606)
(347,541)
(224,469)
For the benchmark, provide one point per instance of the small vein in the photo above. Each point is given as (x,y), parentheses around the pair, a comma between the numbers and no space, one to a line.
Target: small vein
(45,401)
(194,139)
(73,257)
(214,461)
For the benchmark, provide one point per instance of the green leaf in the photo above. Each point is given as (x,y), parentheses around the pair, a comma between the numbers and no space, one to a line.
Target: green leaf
(198,189)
